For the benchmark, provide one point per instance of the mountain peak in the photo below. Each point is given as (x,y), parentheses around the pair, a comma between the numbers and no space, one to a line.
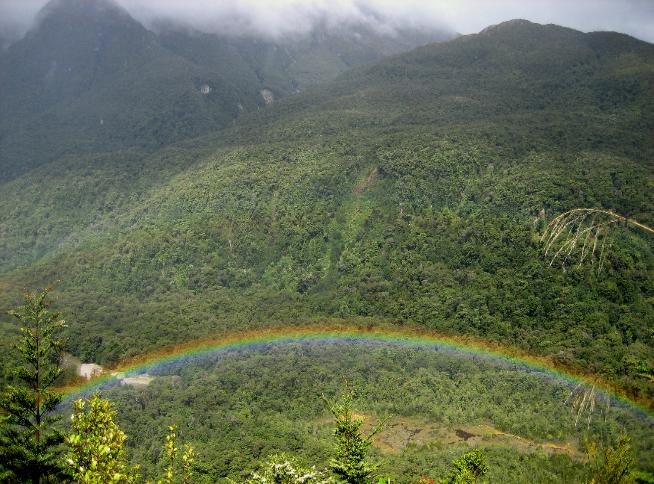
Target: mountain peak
(522,26)
(80,8)
(526,35)
(509,24)
(69,16)
(74,46)
(87,4)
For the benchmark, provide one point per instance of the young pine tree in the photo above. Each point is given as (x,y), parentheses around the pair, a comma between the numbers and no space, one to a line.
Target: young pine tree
(29,437)
(350,463)
(468,468)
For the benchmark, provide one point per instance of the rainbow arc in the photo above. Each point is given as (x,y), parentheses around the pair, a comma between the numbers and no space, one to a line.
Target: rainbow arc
(260,339)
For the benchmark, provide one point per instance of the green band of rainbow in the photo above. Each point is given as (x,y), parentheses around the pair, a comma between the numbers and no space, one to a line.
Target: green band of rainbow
(393,336)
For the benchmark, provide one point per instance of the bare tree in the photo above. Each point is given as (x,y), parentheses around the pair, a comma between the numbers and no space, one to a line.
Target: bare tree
(584,234)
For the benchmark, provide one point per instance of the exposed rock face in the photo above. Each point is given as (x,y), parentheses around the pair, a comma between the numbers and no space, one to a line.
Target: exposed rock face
(89,370)
(267,96)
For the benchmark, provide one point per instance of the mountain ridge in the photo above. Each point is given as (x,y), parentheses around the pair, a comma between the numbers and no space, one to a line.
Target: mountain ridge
(404,197)
(411,191)
(90,78)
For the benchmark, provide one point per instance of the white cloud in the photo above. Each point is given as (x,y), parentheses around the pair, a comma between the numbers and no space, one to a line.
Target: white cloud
(278,17)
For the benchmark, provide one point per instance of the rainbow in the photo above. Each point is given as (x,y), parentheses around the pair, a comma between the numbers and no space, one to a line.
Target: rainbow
(259,339)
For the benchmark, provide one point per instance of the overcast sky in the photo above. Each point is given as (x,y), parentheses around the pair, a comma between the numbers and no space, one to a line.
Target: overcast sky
(275,17)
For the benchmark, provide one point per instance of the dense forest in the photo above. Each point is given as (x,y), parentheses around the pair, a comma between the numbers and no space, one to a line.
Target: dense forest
(412,191)
(414,416)
(406,190)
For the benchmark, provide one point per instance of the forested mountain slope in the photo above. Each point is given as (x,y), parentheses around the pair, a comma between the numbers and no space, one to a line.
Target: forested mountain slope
(89,78)
(410,191)
(287,65)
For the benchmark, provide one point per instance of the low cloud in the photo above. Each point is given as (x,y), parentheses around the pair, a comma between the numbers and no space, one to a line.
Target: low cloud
(271,18)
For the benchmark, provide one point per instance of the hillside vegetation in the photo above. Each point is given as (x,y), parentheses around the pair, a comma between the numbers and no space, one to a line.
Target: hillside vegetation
(438,406)
(411,191)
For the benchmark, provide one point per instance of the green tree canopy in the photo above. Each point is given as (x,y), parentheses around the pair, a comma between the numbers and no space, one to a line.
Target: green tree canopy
(96,443)
(350,463)
(30,438)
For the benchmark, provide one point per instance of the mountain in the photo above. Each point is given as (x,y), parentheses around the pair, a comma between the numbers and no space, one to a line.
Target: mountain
(89,78)
(410,191)
(290,64)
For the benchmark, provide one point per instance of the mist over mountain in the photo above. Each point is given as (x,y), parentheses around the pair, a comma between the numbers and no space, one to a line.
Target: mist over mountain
(243,18)
(280,18)
(89,77)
